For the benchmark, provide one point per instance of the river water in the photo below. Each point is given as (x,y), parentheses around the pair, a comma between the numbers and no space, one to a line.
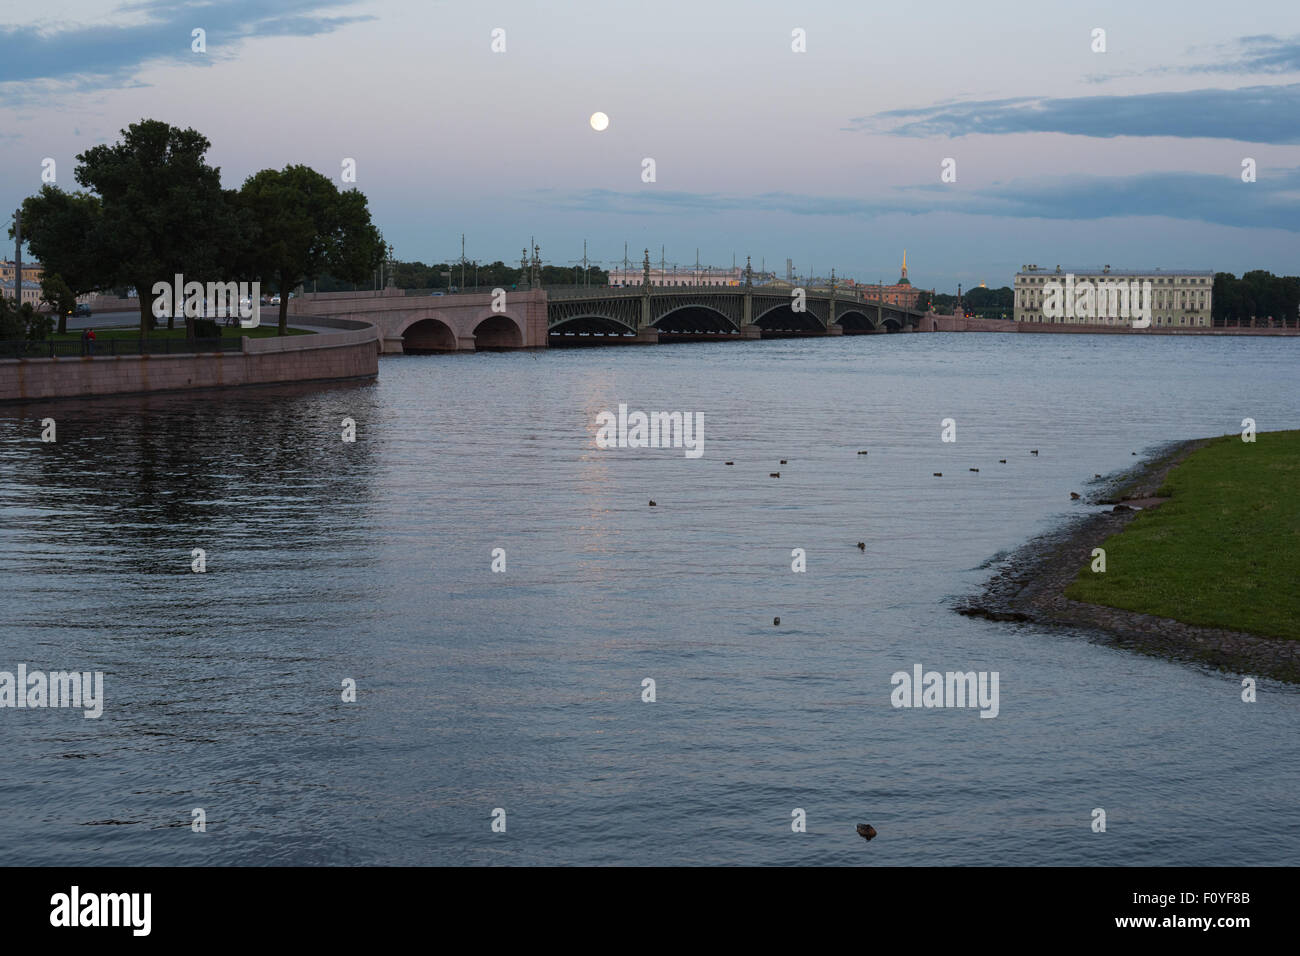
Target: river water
(371,562)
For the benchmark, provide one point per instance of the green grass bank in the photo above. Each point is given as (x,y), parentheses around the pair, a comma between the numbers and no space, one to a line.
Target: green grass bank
(1223,551)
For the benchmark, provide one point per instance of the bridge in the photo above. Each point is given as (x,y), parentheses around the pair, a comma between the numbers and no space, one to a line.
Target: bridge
(536,318)
(658,313)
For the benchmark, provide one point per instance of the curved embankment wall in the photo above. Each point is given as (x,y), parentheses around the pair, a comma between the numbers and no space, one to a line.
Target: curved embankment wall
(351,352)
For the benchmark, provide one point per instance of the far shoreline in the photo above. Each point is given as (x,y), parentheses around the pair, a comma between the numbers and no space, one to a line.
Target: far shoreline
(1030,586)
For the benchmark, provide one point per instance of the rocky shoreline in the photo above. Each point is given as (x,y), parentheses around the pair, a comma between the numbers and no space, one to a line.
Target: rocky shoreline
(1030,587)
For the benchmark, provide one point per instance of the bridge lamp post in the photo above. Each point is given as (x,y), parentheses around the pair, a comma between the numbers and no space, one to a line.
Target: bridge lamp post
(18,258)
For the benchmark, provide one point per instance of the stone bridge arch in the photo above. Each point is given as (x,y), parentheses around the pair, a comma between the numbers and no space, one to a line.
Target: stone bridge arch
(428,335)
(424,322)
(499,330)
(471,326)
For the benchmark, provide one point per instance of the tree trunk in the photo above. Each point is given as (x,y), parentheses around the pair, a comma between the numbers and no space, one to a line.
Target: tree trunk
(63,322)
(284,310)
(146,314)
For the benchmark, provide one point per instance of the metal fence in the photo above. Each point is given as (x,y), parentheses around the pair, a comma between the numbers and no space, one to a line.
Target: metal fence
(75,348)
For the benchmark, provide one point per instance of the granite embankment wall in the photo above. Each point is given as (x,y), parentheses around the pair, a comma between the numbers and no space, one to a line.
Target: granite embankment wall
(112,303)
(1153,330)
(351,352)
(960,323)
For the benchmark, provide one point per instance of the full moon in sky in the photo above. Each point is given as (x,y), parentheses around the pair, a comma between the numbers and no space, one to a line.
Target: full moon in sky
(599,121)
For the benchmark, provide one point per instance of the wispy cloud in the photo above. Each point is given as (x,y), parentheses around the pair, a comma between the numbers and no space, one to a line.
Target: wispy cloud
(1254,114)
(1264,54)
(102,56)
(1272,203)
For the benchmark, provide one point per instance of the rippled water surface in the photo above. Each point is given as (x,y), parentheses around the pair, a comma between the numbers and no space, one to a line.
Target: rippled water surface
(522,690)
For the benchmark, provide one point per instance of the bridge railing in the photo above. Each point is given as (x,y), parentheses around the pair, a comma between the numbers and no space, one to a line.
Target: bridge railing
(554,292)
(841,295)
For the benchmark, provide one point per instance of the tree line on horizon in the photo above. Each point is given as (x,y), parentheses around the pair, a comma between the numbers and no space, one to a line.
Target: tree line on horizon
(152,208)
(978,300)
(1257,294)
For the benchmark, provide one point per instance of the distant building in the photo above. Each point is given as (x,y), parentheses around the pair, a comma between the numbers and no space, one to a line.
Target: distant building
(31,290)
(1177,297)
(901,293)
(32,271)
(672,276)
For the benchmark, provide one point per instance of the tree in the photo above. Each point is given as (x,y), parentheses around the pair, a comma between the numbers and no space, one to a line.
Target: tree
(56,293)
(63,231)
(1259,294)
(163,209)
(22,322)
(303,227)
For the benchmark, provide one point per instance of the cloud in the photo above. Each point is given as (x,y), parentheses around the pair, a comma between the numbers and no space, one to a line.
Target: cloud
(74,57)
(1271,203)
(1265,53)
(1261,54)
(1253,114)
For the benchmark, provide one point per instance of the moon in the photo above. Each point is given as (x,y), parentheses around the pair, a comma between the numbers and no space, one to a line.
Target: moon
(599,121)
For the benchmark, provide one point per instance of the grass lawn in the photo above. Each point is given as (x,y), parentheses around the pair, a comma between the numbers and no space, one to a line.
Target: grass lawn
(1224,551)
(133,332)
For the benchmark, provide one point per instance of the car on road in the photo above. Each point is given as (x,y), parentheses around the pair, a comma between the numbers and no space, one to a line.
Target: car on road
(81,310)
(275,299)
(437,293)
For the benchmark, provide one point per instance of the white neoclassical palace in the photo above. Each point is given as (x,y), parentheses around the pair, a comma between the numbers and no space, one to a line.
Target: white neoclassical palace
(1174,297)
